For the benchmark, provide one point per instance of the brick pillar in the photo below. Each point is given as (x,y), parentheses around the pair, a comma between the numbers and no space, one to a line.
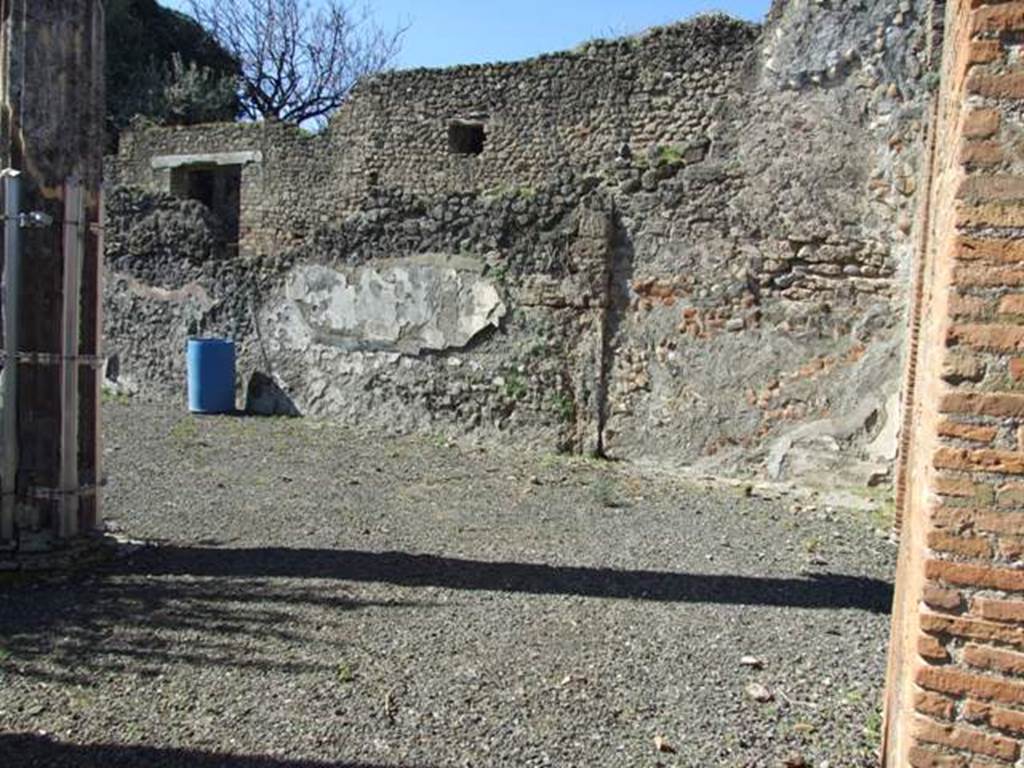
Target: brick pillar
(51,131)
(956,680)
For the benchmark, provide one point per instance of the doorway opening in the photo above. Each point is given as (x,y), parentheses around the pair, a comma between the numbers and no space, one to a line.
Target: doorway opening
(219,188)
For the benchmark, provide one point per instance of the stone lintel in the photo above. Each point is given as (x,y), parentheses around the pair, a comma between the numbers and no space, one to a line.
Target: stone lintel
(161,162)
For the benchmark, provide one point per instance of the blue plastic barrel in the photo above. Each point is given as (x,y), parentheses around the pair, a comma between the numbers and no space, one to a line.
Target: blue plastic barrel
(211,375)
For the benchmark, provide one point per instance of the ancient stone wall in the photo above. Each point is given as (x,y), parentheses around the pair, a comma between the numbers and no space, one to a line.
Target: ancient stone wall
(700,240)
(573,111)
(287,182)
(578,110)
(957,668)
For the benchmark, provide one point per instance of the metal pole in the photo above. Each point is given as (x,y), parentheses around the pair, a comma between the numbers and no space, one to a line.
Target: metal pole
(97,413)
(11,294)
(75,228)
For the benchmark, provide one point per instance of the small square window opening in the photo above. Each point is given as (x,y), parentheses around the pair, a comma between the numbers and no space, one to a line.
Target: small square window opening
(466,138)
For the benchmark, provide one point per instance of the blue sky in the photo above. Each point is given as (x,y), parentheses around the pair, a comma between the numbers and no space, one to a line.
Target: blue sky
(444,32)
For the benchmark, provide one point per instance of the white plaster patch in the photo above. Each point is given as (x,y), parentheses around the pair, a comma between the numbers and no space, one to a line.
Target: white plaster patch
(408,306)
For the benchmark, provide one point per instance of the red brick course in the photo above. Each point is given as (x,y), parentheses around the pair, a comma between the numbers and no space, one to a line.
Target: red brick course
(932,650)
(982,153)
(978,520)
(929,757)
(971,432)
(1000,610)
(986,51)
(1002,405)
(955,486)
(956,682)
(998,86)
(981,460)
(989,250)
(972,575)
(1016,368)
(982,124)
(935,705)
(969,739)
(1012,304)
(1006,720)
(982,188)
(995,659)
(942,599)
(997,17)
(968,307)
(991,337)
(973,629)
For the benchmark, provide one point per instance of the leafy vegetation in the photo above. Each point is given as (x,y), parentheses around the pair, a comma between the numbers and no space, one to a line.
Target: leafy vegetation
(873,728)
(670,156)
(161,65)
(515,386)
(565,406)
(194,94)
(346,672)
(114,396)
(522,192)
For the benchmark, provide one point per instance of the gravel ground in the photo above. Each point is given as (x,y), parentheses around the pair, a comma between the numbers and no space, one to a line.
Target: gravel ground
(318,597)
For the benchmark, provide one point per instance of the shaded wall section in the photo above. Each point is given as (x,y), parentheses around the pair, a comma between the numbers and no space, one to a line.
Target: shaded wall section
(51,132)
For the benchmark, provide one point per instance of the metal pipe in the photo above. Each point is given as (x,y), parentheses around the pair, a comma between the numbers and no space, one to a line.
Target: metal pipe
(98,353)
(75,228)
(11,290)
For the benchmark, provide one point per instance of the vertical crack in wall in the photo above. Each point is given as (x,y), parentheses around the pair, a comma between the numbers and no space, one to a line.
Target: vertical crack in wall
(592,259)
(619,256)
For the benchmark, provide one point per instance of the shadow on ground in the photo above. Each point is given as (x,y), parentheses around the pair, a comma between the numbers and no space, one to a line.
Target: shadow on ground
(31,751)
(122,622)
(283,619)
(824,591)
(128,618)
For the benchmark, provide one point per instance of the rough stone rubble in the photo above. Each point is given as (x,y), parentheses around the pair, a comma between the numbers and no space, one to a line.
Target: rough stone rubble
(690,247)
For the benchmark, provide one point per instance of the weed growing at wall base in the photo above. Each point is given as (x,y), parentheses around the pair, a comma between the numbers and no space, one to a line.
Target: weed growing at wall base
(565,406)
(605,491)
(346,673)
(115,396)
(515,386)
(873,728)
(670,156)
(184,432)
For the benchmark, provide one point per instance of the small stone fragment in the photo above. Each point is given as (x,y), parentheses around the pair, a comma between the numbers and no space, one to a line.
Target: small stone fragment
(760,693)
(663,746)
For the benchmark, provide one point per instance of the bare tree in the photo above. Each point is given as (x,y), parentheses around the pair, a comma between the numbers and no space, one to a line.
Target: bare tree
(299,60)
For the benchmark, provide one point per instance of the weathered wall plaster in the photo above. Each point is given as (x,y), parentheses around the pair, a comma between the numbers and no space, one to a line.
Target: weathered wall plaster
(701,239)
(409,306)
